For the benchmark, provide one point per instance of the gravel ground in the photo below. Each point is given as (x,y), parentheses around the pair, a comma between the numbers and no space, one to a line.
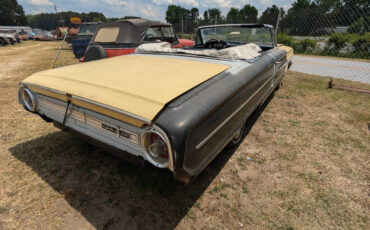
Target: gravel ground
(350,70)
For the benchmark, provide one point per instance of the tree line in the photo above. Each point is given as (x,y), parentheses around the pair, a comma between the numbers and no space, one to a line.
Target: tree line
(304,17)
(12,14)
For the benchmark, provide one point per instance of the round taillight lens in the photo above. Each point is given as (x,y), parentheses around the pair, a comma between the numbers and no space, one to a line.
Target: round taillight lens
(156,146)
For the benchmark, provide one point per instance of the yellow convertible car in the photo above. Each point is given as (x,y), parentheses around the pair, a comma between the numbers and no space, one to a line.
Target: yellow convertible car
(175,108)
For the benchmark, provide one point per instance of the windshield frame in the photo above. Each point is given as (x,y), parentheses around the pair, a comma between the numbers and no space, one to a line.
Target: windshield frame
(269,27)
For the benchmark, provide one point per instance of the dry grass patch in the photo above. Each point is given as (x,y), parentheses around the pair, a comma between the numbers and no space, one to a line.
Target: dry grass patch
(303,165)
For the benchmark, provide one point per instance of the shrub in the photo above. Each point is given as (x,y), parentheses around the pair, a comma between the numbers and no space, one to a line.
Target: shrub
(285,39)
(337,40)
(305,46)
(335,43)
(362,46)
(360,26)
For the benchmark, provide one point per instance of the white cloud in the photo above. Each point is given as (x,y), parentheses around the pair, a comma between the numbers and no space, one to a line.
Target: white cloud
(163,2)
(151,12)
(38,2)
(190,2)
(115,2)
(193,3)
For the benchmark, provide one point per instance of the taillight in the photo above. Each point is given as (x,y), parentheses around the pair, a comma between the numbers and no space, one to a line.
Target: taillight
(157,149)
(156,146)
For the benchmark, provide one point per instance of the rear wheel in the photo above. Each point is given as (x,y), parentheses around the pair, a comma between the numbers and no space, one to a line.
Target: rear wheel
(279,85)
(238,136)
(2,42)
(95,52)
(11,41)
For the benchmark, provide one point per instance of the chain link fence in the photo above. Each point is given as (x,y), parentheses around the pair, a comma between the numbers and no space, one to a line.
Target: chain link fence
(328,31)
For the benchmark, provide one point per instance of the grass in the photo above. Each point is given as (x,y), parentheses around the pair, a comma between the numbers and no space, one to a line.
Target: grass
(303,165)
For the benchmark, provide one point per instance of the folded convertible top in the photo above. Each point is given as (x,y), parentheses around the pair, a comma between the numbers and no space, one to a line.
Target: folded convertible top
(242,52)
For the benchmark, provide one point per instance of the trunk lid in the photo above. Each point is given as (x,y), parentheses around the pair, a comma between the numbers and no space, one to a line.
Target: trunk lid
(138,84)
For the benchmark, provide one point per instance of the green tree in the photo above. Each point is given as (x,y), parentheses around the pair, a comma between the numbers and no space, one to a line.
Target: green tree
(11,13)
(248,14)
(303,19)
(205,17)
(270,15)
(360,26)
(178,16)
(92,17)
(232,15)
(194,13)
(214,16)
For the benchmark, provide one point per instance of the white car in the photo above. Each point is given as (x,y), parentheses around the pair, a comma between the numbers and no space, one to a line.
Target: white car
(11,36)
(4,39)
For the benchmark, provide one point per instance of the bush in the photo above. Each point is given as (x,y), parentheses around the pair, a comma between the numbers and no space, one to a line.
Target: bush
(186,36)
(360,26)
(362,46)
(305,46)
(285,39)
(337,41)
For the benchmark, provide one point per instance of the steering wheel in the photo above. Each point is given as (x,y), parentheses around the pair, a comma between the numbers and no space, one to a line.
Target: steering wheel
(218,44)
(149,36)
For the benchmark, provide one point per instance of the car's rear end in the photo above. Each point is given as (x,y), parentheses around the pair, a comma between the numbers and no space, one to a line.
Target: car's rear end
(117,108)
(82,40)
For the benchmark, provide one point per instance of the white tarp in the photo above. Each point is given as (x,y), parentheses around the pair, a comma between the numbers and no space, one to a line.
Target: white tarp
(243,52)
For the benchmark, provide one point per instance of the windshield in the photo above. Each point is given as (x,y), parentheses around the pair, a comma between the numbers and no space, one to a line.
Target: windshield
(163,33)
(88,28)
(235,34)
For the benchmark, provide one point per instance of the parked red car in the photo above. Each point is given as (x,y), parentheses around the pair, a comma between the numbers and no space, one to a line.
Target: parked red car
(123,36)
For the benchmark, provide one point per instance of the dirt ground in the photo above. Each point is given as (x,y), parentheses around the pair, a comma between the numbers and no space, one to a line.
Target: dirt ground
(304,164)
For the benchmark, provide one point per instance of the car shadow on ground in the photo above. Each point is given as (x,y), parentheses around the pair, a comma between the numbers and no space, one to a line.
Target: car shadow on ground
(111,193)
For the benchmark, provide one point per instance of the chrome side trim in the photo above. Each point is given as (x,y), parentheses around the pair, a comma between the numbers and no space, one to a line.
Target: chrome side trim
(91,102)
(200,145)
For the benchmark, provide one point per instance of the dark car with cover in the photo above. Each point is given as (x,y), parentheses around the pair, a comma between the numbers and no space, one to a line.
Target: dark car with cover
(123,36)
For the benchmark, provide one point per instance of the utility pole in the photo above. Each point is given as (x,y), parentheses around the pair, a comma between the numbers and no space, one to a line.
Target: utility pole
(216,19)
(56,14)
(182,25)
(278,21)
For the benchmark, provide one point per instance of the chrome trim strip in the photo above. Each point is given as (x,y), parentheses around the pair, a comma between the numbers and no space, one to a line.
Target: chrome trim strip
(92,102)
(200,145)
(114,109)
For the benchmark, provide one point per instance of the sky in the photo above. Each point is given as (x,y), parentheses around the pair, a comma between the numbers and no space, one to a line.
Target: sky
(151,9)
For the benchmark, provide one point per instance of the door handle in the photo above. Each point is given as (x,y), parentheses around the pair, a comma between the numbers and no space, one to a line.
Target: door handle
(277,62)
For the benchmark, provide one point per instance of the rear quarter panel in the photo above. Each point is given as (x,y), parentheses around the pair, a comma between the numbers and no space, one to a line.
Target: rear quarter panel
(195,115)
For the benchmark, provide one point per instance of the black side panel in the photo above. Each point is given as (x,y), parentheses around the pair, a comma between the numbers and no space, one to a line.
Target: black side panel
(193,116)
